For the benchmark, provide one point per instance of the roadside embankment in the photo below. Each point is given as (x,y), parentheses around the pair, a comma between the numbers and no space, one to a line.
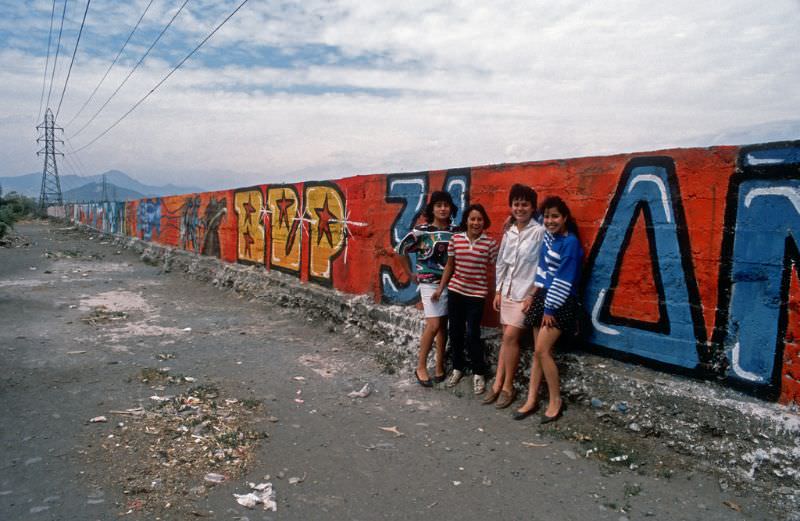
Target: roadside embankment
(621,413)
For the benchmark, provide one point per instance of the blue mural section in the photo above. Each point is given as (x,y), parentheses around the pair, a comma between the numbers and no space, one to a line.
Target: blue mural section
(764,254)
(149,218)
(411,190)
(648,187)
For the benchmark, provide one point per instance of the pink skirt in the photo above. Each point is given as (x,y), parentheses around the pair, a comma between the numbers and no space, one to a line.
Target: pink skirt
(511,313)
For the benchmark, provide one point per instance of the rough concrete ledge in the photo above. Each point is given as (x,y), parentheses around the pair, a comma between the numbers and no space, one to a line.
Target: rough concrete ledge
(623,414)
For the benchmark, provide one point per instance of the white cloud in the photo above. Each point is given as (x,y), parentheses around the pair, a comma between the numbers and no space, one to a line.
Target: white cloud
(416,85)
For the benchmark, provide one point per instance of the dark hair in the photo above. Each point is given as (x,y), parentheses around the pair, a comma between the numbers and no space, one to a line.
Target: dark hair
(437,197)
(478,208)
(519,191)
(558,203)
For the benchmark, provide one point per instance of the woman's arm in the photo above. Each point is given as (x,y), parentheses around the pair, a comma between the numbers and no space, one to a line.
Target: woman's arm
(449,268)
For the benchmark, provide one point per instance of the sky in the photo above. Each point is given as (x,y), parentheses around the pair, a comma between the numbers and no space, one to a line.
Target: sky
(322,89)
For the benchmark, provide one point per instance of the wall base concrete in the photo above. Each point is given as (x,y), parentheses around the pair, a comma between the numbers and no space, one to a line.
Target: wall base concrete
(622,414)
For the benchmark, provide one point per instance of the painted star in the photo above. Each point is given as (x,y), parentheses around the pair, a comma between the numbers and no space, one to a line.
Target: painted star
(249,211)
(324,223)
(283,207)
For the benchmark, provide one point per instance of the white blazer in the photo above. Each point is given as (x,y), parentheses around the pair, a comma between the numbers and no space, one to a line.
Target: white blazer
(517,260)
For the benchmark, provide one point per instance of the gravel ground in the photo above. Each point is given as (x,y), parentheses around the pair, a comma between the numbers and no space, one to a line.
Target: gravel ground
(88,331)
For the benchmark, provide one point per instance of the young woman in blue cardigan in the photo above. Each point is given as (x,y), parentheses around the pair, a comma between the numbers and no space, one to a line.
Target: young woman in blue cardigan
(553,309)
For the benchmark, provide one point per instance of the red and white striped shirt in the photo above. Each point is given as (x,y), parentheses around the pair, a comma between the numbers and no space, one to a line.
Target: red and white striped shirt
(472,263)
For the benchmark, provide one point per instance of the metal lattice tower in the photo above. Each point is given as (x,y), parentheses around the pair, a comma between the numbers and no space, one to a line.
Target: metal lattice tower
(51,185)
(104,197)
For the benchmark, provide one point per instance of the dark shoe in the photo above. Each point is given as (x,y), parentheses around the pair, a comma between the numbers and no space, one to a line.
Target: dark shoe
(423,383)
(550,419)
(505,399)
(439,378)
(490,398)
(521,415)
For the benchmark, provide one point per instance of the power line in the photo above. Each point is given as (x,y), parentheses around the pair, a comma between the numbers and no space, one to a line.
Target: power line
(58,49)
(74,52)
(109,67)
(134,68)
(47,61)
(165,78)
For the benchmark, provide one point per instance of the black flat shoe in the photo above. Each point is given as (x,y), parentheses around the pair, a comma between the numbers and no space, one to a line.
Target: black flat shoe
(423,383)
(550,419)
(437,379)
(521,415)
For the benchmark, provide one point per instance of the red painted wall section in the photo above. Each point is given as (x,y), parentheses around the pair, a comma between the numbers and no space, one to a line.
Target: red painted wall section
(668,235)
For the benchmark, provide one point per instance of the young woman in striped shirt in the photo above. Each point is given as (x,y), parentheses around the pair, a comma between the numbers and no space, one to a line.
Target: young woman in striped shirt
(553,310)
(471,255)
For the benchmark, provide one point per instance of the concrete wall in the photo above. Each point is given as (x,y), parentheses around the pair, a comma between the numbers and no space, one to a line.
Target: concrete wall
(692,259)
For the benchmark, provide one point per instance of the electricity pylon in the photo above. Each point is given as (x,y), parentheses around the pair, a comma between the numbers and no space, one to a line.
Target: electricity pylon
(51,185)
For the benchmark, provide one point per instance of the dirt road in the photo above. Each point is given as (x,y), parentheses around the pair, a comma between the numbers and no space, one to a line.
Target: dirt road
(193,380)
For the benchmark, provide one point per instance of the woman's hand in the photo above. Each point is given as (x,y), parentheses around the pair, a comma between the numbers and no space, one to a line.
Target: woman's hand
(436,295)
(496,302)
(549,321)
(526,304)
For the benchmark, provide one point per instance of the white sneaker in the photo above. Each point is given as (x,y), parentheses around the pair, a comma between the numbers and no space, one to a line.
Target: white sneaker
(478,384)
(454,378)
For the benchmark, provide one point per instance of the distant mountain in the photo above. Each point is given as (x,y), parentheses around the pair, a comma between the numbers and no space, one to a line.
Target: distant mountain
(31,184)
(94,192)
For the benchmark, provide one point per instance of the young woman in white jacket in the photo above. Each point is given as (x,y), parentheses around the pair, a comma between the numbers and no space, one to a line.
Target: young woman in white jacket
(515,273)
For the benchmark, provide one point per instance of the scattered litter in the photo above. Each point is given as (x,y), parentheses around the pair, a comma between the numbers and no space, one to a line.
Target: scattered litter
(187,329)
(295,480)
(299,400)
(157,398)
(98,419)
(263,494)
(213,477)
(597,403)
(363,393)
(530,444)
(33,268)
(183,445)
(732,506)
(101,314)
(570,454)
(456,483)
(486,481)
(393,430)
(622,407)
(135,411)
(623,457)
(75,352)
(299,378)
(165,356)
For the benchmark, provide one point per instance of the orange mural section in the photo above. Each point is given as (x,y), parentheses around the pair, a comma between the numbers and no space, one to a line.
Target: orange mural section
(691,254)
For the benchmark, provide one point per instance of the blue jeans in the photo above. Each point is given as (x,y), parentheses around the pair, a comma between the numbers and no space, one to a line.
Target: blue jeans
(464,323)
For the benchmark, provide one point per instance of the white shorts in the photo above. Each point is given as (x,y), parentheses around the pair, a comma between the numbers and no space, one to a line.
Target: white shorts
(431,308)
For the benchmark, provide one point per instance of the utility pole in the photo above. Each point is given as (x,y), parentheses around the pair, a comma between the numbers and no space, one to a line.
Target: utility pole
(51,185)
(104,198)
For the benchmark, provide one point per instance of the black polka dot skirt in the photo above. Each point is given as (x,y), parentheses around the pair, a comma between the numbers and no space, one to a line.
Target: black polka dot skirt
(566,316)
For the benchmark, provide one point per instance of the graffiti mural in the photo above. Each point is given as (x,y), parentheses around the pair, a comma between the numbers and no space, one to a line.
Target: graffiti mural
(648,199)
(249,205)
(693,260)
(286,218)
(411,190)
(214,213)
(326,209)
